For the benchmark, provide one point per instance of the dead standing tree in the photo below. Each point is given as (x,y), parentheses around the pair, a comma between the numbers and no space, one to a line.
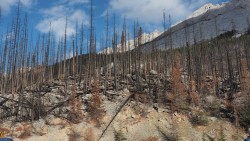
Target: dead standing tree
(114,47)
(178,97)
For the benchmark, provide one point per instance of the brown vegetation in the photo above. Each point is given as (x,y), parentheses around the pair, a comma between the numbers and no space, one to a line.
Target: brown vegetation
(151,139)
(74,135)
(142,98)
(75,103)
(5,131)
(179,95)
(25,131)
(95,109)
(195,97)
(89,135)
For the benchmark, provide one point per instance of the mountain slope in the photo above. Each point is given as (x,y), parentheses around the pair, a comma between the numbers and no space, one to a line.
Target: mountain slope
(146,37)
(208,22)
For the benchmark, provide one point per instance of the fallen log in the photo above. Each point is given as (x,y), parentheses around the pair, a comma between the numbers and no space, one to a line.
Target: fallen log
(25,105)
(62,103)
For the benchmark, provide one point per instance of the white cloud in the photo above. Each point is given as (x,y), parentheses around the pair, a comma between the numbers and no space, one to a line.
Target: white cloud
(151,11)
(27,3)
(6,5)
(72,2)
(56,17)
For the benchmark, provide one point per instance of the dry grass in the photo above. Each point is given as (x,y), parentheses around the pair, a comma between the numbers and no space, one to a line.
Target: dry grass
(143,98)
(25,132)
(89,135)
(4,130)
(151,139)
(74,135)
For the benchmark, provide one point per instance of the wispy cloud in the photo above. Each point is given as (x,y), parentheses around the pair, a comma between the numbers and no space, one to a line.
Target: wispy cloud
(55,17)
(151,11)
(72,2)
(6,5)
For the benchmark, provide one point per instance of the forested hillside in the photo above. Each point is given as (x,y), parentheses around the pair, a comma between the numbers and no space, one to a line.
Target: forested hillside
(200,79)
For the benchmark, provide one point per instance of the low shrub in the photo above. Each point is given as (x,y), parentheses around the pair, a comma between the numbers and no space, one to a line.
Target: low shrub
(244,116)
(74,135)
(119,136)
(199,120)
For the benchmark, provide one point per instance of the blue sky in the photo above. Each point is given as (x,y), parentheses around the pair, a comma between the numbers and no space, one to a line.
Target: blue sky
(43,13)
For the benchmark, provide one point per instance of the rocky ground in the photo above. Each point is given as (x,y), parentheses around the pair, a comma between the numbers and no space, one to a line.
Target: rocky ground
(141,119)
(151,125)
